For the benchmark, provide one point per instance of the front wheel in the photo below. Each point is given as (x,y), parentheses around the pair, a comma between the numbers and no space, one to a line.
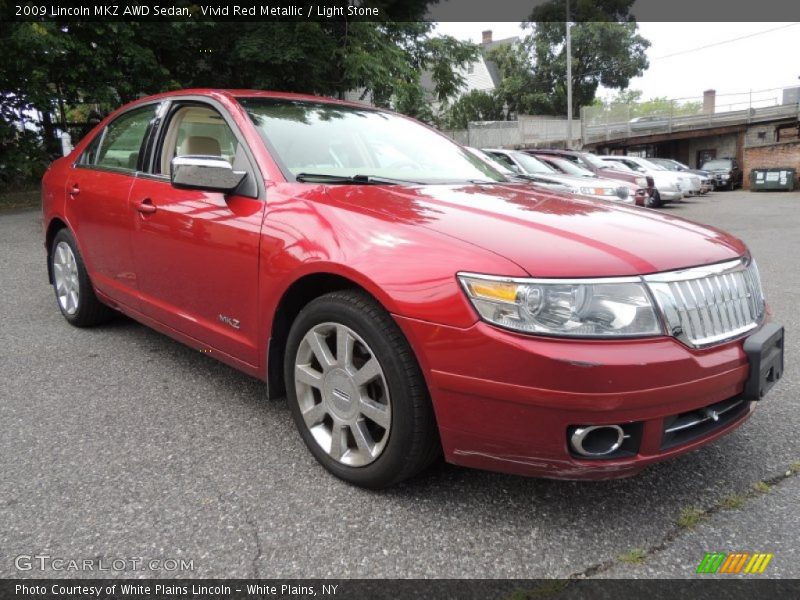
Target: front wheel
(73,288)
(356,391)
(654,201)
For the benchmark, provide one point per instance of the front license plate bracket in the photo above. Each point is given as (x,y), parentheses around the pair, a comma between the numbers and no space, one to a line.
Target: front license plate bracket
(764,351)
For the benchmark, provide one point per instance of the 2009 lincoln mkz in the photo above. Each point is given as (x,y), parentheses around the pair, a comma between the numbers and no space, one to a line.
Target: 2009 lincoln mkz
(407,299)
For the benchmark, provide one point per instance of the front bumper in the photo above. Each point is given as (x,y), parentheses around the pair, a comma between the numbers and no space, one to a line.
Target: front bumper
(505,402)
(670,195)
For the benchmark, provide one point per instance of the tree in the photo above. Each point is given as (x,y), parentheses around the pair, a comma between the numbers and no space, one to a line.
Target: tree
(636,107)
(476,105)
(606,50)
(59,66)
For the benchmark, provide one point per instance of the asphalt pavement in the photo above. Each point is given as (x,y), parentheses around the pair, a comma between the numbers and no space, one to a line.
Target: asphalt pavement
(118,443)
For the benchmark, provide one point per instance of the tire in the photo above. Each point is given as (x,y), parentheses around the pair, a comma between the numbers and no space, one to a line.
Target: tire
(396,437)
(654,201)
(73,289)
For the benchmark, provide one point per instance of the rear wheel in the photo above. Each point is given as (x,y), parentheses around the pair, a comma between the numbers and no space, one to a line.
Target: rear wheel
(356,392)
(73,288)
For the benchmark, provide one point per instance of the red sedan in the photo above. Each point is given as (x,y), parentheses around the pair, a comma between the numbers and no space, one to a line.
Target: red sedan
(406,298)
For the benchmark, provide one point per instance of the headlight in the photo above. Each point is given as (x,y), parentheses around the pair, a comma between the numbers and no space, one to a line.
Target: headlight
(575,308)
(726,176)
(598,191)
(641,182)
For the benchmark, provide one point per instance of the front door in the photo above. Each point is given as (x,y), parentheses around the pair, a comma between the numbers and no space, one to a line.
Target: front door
(196,252)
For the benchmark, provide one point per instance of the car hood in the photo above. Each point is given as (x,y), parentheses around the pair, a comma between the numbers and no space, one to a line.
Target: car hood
(548,234)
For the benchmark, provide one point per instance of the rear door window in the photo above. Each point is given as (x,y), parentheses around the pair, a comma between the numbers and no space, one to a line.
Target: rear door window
(119,145)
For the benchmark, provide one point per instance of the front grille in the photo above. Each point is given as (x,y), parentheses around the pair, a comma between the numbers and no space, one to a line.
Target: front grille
(710,304)
(685,427)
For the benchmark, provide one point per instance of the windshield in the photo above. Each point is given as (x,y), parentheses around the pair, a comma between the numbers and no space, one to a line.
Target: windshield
(569,167)
(719,163)
(594,161)
(531,165)
(491,160)
(619,165)
(656,167)
(668,164)
(316,138)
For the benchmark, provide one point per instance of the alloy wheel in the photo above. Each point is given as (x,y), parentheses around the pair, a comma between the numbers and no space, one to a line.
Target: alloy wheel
(342,394)
(65,275)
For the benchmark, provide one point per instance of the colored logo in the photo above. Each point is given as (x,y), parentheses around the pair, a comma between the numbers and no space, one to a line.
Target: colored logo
(736,562)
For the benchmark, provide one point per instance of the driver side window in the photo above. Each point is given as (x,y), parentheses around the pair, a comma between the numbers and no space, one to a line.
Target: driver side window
(197,131)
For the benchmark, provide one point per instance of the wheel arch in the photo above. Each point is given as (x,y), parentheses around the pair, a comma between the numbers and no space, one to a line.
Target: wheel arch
(295,297)
(56,224)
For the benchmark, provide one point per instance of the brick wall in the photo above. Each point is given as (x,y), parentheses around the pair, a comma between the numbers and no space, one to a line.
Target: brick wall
(782,154)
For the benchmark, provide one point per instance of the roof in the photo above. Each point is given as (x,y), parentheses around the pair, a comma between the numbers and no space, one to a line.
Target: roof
(426,76)
(233,94)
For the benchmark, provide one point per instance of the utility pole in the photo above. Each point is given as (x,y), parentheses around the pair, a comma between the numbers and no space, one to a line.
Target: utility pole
(569,83)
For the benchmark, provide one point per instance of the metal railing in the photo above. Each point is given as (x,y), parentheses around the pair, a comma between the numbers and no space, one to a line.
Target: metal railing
(618,122)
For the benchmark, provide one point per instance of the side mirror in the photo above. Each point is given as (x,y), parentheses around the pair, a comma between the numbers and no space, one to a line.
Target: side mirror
(210,173)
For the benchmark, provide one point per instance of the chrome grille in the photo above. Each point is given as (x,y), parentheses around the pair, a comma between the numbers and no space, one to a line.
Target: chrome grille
(709,304)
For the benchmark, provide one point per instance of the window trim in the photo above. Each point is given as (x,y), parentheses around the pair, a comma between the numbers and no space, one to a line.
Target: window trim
(174,103)
(143,147)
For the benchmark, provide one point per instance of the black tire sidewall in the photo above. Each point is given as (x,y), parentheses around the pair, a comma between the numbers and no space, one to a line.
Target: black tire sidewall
(385,469)
(86,296)
(656,199)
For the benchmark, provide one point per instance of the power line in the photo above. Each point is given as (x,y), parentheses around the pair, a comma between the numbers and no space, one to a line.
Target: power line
(722,42)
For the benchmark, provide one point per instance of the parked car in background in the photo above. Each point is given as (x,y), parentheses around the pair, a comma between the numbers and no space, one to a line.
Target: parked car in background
(591,162)
(726,173)
(534,168)
(706,182)
(567,167)
(405,297)
(670,187)
(649,122)
(514,173)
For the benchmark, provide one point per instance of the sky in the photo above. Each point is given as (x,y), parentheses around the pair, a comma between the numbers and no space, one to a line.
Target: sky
(764,58)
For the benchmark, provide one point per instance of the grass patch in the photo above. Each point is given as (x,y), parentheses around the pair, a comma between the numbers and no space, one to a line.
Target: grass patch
(794,468)
(633,557)
(690,517)
(20,199)
(761,486)
(734,501)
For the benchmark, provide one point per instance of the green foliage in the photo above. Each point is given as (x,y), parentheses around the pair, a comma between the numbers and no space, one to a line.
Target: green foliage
(632,101)
(58,69)
(691,516)
(475,105)
(633,557)
(606,50)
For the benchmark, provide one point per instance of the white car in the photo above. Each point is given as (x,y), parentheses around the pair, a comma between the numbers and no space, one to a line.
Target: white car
(670,186)
(514,174)
(536,170)
(706,182)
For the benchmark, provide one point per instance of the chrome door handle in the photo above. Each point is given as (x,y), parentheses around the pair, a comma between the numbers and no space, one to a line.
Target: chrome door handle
(146,206)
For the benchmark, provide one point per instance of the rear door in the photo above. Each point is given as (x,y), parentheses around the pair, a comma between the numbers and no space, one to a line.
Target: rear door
(196,252)
(98,187)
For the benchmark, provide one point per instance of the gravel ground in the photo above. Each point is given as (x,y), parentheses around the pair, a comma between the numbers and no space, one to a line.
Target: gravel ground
(118,442)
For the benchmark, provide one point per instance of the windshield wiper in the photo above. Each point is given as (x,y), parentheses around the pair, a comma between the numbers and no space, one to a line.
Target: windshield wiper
(356,179)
